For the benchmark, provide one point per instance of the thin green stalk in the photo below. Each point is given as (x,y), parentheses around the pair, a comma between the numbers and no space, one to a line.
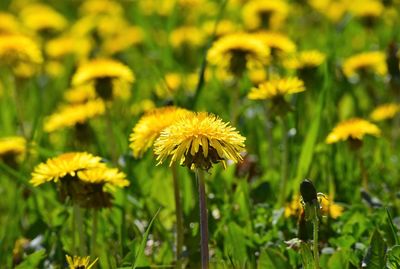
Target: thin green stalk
(284,162)
(203,219)
(80,230)
(73,227)
(315,236)
(111,135)
(179,217)
(94,233)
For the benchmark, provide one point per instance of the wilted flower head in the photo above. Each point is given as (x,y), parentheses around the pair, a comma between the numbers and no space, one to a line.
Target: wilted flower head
(232,53)
(199,140)
(374,62)
(79,262)
(264,14)
(80,176)
(352,129)
(386,111)
(150,125)
(104,73)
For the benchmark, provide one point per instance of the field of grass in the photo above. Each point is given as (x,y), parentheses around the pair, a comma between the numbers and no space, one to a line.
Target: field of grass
(200,134)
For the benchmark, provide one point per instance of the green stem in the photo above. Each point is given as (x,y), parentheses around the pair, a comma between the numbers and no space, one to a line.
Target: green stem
(73,227)
(284,162)
(179,217)
(203,219)
(94,233)
(80,229)
(111,135)
(315,239)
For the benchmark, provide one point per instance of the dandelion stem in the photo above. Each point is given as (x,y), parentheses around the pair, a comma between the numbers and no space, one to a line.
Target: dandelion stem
(315,236)
(111,135)
(203,219)
(94,233)
(284,162)
(73,227)
(179,216)
(81,233)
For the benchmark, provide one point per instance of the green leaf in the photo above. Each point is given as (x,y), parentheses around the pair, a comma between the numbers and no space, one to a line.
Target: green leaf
(236,244)
(339,260)
(33,260)
(393,229)
(307,258)
(272,259)
(375,258)
(393,257)
(140,251)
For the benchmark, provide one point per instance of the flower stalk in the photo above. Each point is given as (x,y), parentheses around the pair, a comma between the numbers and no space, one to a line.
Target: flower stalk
(179,216)
(94,232)
(203,219)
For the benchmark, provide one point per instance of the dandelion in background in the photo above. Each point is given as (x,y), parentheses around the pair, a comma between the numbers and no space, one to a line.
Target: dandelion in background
(278,43)
(12,150)
(365,63)
(231,53)
(109,76)
(77,262)
(198,141)
(264,14)
(385,111)
(74,115)
(150,125)
(353,131)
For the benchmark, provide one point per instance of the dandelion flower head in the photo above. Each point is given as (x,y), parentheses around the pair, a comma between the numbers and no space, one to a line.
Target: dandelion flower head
(374,61)
(386,111)
(199,140)
(150,125)
(265,14)
(353,129)
(276,88)
(80,262)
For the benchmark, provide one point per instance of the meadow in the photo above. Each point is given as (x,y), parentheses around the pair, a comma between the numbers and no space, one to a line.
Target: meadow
(200,134)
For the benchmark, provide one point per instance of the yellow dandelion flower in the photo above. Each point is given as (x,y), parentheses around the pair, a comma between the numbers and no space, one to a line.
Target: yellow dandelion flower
(328,207)
(64,165)
(265,14)
(232,53)
(80,262)
(366,8)
(96,7)
(277,87)
(13,146)
(305,60)
(102,68)
(68,45)
(40,17)
(123,40)
(104,175)
(198,140)
(15,49)
(72,115)
(353,129)
(105,73)
(9,24)
(277,42)
(187,35)
(80,94)
(149,127)
(333,10)
(386,111)
(368,61)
